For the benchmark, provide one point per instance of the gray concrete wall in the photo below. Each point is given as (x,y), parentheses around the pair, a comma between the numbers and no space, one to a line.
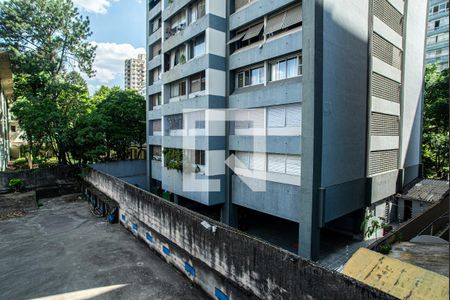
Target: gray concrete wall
(274,93)
(224,261)
(277,46)
(413,87)
(131,171)
(41,178)
(279,199)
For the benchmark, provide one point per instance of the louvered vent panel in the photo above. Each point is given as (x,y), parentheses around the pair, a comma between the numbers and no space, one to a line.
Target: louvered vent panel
(385,88)
(387,52)
(389,15)
(384,125)
(383,161)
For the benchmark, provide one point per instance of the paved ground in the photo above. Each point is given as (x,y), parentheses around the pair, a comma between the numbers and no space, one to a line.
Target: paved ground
(62,248)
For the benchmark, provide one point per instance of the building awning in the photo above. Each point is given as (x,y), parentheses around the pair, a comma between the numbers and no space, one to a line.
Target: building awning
(275,23)
(253,31)
(293,16)
(237,38)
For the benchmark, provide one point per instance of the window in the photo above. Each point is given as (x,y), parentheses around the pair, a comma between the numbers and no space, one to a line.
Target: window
(156,49)
(198,46)
(156,100)
(286,20)
(176,23)
(284,116)
(286,68)
(156,127)
(197,83)
(156,24)
(156,155)
(240,3)
(284,164)
(199,157)
(197,10)
(156,74)
(174,122)
(247,36)
(250,77)
(178,89)
(13,128)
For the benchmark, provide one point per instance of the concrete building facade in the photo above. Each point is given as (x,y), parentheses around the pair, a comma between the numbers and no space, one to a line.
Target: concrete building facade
(323,101)
(134,73)
(438,34)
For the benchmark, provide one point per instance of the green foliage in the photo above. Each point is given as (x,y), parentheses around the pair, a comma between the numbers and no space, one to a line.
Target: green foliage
(173,159)
(435,123)
(20,162)
(385,249)
(371,225)
(47,41)
(16,184)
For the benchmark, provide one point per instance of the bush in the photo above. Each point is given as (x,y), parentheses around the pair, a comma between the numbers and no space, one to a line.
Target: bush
(16,184)
(20,163)
(385,249)
(49,163)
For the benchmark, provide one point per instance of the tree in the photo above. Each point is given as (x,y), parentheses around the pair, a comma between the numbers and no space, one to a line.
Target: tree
(436,123)
(124,115)
(47,39)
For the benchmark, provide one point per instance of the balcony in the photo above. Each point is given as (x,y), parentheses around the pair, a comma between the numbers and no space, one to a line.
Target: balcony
(273,144)
(174,7)
(274,93)
(154,62)
(278,45)
(154,11)
(200,142)
(194,66)
(255,10)
(173,108)
(154,36)
(194,29)
(155,88)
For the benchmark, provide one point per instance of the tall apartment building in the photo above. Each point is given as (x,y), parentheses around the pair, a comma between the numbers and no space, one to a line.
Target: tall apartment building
(437,35)
(325,99)
(135,73)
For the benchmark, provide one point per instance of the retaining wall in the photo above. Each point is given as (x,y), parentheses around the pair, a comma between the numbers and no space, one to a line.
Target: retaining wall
(42,178)
(226,263)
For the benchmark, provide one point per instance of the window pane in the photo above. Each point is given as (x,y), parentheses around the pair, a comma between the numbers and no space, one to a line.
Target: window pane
(258,162)
(293,115)
(182,88)
(282,70)
(257,76)
(293,165)
(174,90)
(240,80)
(195,84)
(276,163)
(292,67)
(201,9)
(276,117)
(247,78)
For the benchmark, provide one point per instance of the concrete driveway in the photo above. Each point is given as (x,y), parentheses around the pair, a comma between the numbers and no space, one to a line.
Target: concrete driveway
(62,251)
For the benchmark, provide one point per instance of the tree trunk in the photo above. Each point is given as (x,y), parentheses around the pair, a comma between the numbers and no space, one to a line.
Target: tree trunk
(30,154)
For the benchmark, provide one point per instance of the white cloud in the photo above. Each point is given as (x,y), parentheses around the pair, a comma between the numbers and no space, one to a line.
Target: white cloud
(109,63)
(94,6)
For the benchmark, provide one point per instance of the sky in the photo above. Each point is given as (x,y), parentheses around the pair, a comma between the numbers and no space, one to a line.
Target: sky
(119,29)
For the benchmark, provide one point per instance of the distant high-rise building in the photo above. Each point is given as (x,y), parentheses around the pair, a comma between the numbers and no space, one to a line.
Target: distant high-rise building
(437,35)
(135,73)
(325,105)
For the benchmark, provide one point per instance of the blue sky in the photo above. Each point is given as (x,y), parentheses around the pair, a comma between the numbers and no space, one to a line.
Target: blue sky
(118,28)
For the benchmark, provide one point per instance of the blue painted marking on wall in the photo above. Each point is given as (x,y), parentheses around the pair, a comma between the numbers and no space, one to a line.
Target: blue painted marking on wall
(220,295)
(190,269)
(166,250)
(123,217)
(135,226)
(149,237)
